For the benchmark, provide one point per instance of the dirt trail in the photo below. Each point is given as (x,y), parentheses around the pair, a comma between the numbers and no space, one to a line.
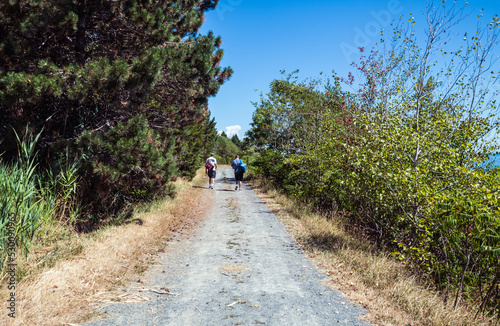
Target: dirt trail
(240,267)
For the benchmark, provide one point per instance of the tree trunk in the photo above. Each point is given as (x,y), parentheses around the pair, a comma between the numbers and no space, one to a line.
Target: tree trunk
(80,33)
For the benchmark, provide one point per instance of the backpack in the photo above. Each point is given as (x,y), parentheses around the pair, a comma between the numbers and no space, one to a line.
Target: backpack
(209,166)
(242,167)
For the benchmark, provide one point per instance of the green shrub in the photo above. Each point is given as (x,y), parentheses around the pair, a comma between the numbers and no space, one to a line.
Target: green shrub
(419,191)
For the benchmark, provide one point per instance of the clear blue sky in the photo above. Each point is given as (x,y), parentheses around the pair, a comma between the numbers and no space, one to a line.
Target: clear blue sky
(262,37)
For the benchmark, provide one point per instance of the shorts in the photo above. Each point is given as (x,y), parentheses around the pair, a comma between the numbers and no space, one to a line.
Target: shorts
(238,176)
(212,173)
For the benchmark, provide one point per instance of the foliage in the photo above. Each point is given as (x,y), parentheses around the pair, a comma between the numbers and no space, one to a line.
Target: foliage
(75,71)
(288,129)
(236,140)
(402,154)
(225,150)
(23,208)
(63,184)
(129,162)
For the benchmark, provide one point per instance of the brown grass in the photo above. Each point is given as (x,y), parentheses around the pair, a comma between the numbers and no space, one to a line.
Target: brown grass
(106,260)
(391,295)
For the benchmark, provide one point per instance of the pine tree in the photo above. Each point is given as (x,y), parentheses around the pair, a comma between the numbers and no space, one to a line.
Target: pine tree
(84,67)
(69,67)
(236,140)
(129,162)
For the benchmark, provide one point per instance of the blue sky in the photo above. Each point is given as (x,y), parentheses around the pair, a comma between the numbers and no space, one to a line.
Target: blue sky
(260,38)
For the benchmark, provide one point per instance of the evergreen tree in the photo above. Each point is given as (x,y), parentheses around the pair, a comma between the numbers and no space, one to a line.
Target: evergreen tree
(194,144)
(128,163)
(73,68)
(236,140)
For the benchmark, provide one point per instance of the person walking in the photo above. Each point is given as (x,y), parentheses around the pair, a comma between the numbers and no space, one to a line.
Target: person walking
(211,170)
(239,168)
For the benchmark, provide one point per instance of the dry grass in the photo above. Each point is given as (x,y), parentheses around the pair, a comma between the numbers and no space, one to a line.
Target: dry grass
(66,292)
(391,295)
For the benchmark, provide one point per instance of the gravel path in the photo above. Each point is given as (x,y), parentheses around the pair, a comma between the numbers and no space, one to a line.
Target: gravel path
(239,268)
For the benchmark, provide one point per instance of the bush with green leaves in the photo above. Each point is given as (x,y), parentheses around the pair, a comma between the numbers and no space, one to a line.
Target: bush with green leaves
(421,192)
(402,156)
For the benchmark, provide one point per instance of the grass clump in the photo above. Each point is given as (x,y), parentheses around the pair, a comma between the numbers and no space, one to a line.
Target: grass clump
(23,208)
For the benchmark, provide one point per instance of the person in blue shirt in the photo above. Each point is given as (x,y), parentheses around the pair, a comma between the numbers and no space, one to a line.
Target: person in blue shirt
(238,172)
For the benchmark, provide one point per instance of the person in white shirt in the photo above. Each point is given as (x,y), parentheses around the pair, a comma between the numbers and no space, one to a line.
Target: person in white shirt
(211,171)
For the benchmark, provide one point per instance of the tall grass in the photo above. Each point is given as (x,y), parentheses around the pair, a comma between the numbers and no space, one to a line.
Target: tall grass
(31,198)
(22,209)
(63,186)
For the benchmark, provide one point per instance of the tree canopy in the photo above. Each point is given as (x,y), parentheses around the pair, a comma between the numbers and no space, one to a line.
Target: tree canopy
(76,70)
